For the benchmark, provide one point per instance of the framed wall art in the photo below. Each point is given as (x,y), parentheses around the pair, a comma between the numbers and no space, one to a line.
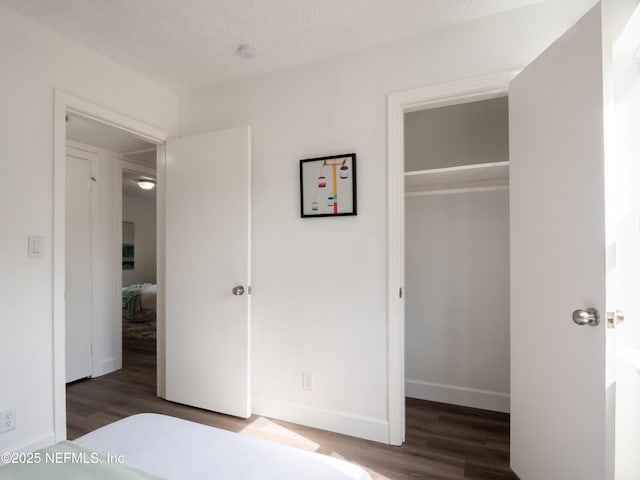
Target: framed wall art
(328,186)
(128,245)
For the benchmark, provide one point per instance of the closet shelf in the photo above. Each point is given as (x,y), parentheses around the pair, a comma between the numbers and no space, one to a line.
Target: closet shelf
(462,177)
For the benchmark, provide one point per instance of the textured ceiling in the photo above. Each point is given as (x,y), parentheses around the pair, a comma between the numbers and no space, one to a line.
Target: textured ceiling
(182,44)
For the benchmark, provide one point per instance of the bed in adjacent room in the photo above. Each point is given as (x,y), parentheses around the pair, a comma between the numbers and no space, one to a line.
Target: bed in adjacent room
(138,300)
(172,448)
(139,304)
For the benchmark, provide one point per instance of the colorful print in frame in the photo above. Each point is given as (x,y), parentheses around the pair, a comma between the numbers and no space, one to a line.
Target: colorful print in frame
(328,186)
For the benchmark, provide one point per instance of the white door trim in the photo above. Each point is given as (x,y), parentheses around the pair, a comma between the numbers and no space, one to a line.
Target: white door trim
(399,103)
(63,103)
(161,162)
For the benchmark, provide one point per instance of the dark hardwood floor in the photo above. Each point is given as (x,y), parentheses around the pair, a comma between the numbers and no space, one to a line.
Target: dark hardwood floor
(443,442)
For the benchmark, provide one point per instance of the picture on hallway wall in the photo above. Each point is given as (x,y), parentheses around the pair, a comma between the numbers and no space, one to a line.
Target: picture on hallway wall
(328,186)
(128,245)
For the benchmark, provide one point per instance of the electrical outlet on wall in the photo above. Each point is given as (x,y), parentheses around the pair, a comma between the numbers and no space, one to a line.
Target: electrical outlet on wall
(7,420)
(307,380)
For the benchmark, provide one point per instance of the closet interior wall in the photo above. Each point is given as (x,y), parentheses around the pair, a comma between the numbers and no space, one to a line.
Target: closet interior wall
(457,254)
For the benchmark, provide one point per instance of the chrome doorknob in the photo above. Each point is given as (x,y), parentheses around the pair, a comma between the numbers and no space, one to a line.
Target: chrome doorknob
(588,316)
(239,290)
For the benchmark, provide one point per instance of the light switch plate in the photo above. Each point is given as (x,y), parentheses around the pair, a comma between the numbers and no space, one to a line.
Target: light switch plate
(36,246)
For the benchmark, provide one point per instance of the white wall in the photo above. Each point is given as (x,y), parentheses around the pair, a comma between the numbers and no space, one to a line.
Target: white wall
(319,299)
(34,62)
(142,212)
(457,298)
(464,134)
(626,211)
(626,275)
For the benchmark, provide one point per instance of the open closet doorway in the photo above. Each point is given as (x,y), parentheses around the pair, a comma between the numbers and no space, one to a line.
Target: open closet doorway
(432,184)
(457,254)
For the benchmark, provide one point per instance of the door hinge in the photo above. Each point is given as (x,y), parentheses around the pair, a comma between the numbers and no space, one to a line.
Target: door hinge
(400,292)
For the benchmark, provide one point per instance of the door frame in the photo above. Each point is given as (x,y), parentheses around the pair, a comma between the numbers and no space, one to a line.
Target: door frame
(399,103)
(64,103)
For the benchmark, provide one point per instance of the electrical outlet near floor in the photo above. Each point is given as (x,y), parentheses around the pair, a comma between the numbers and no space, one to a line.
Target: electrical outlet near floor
(7,420)
(307,380)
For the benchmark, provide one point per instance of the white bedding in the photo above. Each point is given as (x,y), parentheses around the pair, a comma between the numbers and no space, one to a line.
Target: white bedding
(140,297)
(177,449)
(148,297)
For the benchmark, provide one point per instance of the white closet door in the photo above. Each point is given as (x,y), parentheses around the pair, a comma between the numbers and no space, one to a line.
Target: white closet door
(78,267)
(561,408)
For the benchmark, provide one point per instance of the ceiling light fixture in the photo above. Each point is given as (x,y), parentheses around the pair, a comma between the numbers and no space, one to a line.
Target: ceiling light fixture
(146,183)
(246,51)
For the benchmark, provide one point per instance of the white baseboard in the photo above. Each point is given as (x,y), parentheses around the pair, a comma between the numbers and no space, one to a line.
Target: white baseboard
(106,365)
(369,428)
(31,444)
(467,397)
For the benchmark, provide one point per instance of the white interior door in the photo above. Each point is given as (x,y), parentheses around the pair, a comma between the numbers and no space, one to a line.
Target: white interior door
(559,397)
(207,255)
(78,268)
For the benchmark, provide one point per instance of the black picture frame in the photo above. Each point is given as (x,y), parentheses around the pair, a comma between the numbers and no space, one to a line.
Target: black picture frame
(328,186)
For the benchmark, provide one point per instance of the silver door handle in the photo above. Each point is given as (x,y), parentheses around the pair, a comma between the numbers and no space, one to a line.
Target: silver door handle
(239,290)
(588,316)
